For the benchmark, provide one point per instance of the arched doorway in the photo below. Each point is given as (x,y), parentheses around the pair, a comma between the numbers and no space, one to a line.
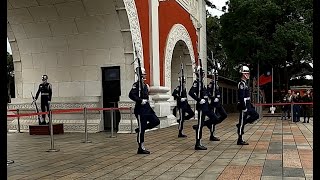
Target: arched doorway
(72,42)
(180,55)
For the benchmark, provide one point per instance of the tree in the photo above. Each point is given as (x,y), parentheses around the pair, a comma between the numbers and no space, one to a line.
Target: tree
(273,32)
(214,45)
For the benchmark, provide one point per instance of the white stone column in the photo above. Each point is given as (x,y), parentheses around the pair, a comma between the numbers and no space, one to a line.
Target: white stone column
(158,94)
(202,35)
(154,42)
(162,106)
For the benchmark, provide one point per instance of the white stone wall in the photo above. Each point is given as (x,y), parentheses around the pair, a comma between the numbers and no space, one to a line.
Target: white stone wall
(69,41)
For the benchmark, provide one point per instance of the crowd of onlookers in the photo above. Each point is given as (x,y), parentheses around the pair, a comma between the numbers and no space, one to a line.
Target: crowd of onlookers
(298,109)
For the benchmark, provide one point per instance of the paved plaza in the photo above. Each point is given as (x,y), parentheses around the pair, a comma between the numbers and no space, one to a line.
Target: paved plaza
(277,150)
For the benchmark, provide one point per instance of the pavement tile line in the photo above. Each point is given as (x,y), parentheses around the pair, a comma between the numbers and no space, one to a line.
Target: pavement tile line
(218,130)
(306,127)
(254,148)
(103,159)
(301,128)
(220,142)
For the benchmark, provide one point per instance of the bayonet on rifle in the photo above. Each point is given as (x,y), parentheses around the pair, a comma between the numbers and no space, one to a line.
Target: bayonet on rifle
(139,71)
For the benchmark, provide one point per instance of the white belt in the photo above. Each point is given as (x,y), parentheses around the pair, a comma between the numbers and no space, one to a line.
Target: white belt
(205,96)
(248,98)
(44,94)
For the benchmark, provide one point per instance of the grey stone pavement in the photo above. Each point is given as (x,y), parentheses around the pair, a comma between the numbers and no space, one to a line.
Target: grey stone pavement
(277,150)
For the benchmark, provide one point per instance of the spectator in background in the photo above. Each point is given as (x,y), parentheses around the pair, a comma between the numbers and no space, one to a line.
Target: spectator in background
(306,109)
(288,100)
(296,107)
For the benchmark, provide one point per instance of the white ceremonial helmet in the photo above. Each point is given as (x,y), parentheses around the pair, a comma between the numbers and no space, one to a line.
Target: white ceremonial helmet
(244,69)
(44,77)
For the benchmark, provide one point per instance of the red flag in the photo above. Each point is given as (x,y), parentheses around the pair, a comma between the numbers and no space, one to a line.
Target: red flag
(263,79)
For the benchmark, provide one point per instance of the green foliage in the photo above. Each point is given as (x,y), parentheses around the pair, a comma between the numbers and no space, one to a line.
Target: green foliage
(270,31)
(214,44)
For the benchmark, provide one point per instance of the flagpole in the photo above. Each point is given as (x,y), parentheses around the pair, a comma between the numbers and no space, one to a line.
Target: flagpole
(272,111)
(258,88)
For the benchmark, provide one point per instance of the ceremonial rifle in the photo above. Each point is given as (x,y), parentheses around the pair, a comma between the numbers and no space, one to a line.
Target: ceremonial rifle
(200,79)
(35,103)
(181,81)
(139,72)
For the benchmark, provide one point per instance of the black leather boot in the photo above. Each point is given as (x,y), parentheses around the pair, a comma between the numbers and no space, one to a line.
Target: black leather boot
(143,151)
(212,138)
(242,142)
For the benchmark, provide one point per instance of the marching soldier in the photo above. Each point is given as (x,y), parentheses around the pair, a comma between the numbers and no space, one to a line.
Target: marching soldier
(45,89)
(215,105)
(199,93)
(307,98)
(180,94)
(247,111)
(143,111)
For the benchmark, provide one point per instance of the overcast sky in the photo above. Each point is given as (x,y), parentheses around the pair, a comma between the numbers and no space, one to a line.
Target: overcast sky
(219,4)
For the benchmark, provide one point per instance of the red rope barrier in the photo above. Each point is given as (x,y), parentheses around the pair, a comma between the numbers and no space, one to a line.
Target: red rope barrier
(61,111)
(12,110)
(27,114)
(279,104)
(107,109)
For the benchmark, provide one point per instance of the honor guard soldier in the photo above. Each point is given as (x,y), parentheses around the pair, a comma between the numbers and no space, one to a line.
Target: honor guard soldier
(45,89)
(215,105)
(145,115)
(183,106)
(199,92)
(246,109)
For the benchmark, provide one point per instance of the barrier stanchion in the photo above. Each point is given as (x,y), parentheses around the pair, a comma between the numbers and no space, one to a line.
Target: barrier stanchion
(131,123)
(195,106)
(291,111)
(85,118)
(52,149)
(18,121)
(112,114)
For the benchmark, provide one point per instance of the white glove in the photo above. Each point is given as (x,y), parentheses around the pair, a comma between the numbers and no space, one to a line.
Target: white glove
(183,99)
(202,101)
(216,100)
(245,110)
(144,101)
